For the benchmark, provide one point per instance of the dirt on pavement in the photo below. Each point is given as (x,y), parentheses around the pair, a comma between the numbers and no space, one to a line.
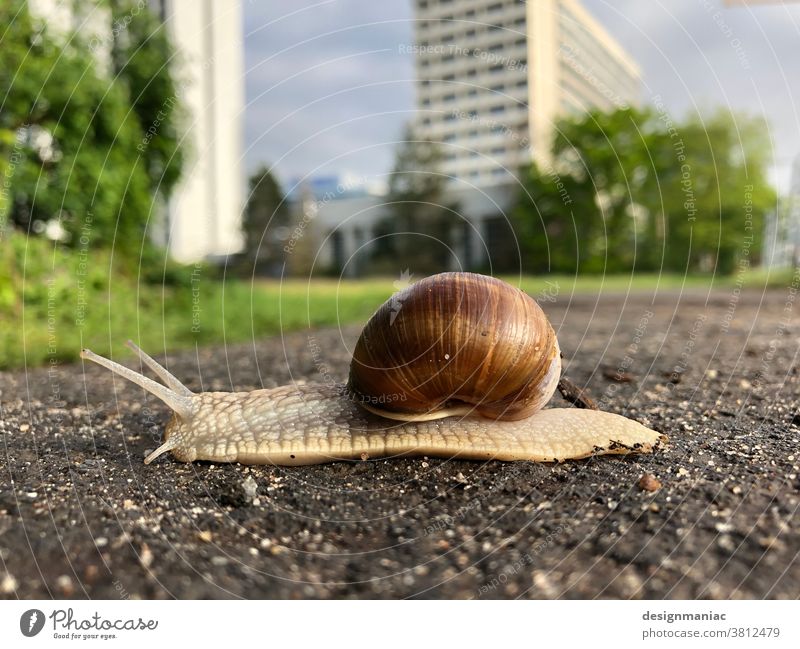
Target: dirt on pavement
(712,515)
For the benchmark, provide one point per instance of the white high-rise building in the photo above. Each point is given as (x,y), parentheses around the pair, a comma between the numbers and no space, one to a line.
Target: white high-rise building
(203,217)
(494,76)
(205,210)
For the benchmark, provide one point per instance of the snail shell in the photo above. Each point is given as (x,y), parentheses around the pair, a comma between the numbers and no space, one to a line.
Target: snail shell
(455,344)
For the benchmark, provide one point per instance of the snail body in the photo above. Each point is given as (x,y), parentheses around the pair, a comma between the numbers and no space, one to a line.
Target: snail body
(436,385)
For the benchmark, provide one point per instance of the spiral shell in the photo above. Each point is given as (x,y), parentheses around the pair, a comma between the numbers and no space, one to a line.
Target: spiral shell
(456,343)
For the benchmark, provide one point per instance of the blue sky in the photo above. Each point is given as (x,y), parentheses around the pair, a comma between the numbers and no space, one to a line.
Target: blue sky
(328,88)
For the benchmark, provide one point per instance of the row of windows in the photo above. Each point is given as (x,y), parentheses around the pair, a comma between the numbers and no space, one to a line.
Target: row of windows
(518,133)
(475,33)
(493,152)
(475,173)
(494,111)
(493,8)
(471,93)
(471,73)
(471,31)
(493,49)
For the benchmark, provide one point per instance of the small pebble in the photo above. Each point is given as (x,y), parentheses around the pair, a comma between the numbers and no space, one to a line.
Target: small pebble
(146,556)
(64,584)
(250,487)
(649,482)
(91,573)
(205,536)
(8,584)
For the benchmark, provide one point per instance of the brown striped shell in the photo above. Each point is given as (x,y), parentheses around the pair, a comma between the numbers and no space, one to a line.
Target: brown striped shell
(456,344)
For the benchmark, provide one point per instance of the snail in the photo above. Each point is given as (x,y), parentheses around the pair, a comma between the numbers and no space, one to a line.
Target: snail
(456,365)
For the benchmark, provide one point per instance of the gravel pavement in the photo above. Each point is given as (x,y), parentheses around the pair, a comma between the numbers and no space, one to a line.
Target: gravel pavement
(712,515)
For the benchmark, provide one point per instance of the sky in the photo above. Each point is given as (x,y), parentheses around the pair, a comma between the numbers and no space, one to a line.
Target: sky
(329,84)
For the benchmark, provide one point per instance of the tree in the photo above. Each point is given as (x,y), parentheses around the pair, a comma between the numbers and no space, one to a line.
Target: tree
(420,224)
(76,137)
(633,190)
(718,195)
(145,60)
(265,224)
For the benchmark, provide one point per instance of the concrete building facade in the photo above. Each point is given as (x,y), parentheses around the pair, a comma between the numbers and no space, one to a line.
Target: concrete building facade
(494,76)
(204,215)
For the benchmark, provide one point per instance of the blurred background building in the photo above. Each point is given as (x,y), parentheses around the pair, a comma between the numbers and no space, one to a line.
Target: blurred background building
(494,76)
(782,227)
(202,220)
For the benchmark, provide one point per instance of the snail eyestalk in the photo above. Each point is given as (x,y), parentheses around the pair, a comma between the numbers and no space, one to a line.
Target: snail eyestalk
(180,403)
(163,373)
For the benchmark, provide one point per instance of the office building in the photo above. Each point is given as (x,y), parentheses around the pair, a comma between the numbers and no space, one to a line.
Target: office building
(494,76)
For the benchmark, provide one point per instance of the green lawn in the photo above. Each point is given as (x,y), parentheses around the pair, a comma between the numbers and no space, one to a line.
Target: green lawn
(52,303)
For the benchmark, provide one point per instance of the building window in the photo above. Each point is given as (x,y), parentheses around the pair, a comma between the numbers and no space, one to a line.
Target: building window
(496,110)
(472,92)
(449,98)
(450,137)
(498,47)
(498,171)
(497,6)
(426,102)
(449,77)
(472,134)
(496,69)
(470,33)
(498,151)
(470,14)
(498,88)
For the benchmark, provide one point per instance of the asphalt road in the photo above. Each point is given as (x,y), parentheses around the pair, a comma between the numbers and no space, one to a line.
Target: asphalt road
(712,515)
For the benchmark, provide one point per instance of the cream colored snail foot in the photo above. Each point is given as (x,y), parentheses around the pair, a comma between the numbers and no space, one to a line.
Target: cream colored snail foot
(464,375)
